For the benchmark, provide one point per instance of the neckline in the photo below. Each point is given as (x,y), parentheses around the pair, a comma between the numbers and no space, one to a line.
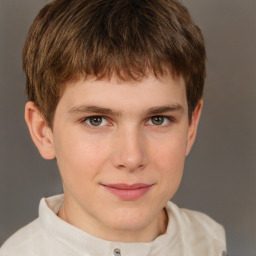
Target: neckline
(82,242)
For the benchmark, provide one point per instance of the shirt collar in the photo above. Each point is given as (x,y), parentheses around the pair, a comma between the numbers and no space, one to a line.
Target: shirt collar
(82,242)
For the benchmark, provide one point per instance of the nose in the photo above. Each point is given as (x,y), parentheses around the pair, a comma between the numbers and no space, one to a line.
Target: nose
(130,150)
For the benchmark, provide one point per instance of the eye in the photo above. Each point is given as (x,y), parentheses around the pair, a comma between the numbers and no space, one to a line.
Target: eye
(159,120)
(96,121)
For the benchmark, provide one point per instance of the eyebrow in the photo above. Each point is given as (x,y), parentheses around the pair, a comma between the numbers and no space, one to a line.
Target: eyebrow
(107,111)
(164,109)
(94,109)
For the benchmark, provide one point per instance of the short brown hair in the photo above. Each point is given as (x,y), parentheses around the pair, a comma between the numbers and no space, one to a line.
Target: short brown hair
(101,38)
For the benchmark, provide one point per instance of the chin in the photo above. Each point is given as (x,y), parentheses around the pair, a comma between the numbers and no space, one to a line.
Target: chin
(131,220)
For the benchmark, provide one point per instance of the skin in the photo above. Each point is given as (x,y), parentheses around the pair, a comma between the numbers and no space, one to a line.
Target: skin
(142,135)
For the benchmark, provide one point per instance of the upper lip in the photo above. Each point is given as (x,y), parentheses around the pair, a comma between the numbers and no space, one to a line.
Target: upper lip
(124,186)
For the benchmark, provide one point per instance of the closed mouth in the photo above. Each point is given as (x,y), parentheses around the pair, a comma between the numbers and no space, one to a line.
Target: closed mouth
(128,192)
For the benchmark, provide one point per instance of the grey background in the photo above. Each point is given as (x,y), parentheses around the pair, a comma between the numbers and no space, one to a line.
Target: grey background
(220,173)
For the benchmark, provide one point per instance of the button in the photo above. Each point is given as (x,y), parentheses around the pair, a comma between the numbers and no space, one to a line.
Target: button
(117,252)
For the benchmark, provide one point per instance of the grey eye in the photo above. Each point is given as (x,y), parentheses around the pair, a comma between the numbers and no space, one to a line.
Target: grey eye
(157,120)
(95,120)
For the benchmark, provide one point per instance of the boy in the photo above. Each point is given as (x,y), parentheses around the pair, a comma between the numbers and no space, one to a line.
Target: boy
(115,95)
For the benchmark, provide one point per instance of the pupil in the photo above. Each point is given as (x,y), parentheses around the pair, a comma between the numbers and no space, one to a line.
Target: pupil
(95,120)
(157,120)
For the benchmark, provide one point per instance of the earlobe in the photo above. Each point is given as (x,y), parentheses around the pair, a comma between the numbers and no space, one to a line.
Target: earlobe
(40,132)
(193,126)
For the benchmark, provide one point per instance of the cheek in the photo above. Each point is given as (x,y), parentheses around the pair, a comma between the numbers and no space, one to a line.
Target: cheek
(78,159)
(82,160)
(170,151)
(169,158)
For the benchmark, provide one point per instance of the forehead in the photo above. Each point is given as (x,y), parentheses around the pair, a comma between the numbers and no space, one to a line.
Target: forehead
(115,93)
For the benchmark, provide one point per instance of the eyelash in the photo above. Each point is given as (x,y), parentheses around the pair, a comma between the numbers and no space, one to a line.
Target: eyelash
(89,118)
(168,119)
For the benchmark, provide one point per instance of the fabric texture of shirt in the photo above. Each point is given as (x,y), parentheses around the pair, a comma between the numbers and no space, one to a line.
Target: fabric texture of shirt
(189,233)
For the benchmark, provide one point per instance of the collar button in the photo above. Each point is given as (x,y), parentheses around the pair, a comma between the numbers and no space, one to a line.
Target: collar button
(117,252)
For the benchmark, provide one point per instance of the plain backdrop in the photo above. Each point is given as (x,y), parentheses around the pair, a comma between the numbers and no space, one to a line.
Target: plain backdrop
(220,173)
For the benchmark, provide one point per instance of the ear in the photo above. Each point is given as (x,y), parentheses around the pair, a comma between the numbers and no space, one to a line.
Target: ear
(192,130)
(40,132)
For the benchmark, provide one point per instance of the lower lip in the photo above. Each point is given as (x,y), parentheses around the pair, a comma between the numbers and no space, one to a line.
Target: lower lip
(129,194)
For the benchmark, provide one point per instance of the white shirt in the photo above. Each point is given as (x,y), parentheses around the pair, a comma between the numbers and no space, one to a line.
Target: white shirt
(189,233)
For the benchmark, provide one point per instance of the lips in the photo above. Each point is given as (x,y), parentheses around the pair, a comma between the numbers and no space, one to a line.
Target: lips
(128,192)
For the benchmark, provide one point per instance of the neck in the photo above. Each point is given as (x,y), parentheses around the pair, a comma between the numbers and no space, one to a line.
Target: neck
(147,234)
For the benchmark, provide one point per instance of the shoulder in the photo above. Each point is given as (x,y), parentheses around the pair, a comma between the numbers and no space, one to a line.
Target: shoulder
(36,238)
(198,231)
(21,241)
(198,221)
(39,237)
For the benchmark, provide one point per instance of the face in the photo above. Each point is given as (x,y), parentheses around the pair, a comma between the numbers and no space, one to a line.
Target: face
(120,149)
